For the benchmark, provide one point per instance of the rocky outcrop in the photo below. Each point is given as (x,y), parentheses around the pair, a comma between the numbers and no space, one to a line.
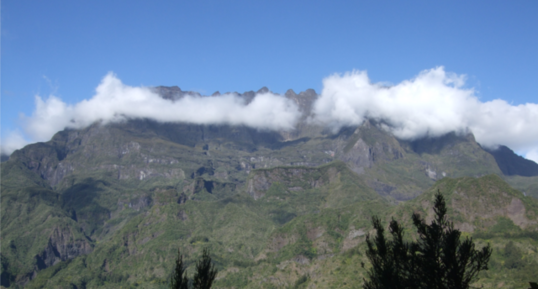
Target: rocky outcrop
(353,238)
(44,160)
(292,178)
(136,204)
(366,145)
(170,92)
(257,186)
(62,245)
(358,157)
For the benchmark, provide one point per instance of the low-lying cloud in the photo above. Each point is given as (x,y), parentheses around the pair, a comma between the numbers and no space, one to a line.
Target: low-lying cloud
(115,101)
(432,104)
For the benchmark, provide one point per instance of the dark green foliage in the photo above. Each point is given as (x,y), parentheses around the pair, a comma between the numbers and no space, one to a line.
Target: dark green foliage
(301,282)
(514,257)
(534,285)
(438,259)
(205,272)
(179,279)
(203,278)
(393,262)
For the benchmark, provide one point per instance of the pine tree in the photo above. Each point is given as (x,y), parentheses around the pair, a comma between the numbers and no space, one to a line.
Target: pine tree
(439,259)
(205,272)
(393,262)
(179,279)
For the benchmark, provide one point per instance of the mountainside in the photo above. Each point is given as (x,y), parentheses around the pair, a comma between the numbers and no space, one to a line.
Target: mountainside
(110,204)
(512,164)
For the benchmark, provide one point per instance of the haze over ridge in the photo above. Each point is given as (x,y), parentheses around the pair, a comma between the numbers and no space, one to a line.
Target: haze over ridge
(433,103)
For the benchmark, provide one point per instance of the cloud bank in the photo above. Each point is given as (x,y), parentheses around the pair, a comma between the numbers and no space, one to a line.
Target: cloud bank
(115,101)
(431,104)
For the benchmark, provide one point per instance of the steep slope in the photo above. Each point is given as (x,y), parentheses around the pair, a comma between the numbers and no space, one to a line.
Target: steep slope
(116,199)
(237,228)
(476,204)
(491,212)
(512,164)
(256,244)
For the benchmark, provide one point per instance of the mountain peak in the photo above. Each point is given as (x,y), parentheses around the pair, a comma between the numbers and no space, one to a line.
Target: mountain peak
(290,93)
(263,90)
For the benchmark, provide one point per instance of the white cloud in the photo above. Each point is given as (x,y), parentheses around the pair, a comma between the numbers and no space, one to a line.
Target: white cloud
(13,141)
(433,103)
(532,155)
(115,101)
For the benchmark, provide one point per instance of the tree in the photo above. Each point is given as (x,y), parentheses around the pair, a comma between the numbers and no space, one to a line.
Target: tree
(179,279)
(393,263)
(439,259)
(205,272)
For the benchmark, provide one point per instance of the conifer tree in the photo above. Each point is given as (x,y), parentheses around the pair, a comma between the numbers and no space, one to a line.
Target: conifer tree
(179,279)
(439,259)
(205,272)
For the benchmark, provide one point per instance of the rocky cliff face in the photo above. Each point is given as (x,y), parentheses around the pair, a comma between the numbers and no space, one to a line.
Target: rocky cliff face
(62,245)
(292,178)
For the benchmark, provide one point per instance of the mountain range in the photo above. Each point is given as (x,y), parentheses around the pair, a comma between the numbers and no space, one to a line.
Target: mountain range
(108,205)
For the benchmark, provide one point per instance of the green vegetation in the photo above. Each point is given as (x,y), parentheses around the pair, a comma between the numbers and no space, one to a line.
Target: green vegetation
(109,205)
(203,277)
(438,259)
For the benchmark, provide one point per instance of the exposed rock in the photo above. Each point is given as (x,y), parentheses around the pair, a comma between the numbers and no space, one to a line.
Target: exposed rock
(315,233)
(300,259)
(516,212)
(366,145)
(182,215)
(62,245)
(263,90)
(136,204)
(257,186)
(261,180)
(352,239)
(358,157)
(182,198)
(431,173)
(131,147)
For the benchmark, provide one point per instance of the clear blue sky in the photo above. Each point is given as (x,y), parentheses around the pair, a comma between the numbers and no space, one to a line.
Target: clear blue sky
(67,47)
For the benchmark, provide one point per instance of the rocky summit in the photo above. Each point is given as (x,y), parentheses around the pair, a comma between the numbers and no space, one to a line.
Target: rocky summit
(108,206)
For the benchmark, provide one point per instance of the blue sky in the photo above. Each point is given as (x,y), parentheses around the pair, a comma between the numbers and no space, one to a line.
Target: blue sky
(66,48)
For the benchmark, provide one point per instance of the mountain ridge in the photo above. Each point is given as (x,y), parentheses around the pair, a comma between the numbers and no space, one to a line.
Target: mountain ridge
(111,201)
